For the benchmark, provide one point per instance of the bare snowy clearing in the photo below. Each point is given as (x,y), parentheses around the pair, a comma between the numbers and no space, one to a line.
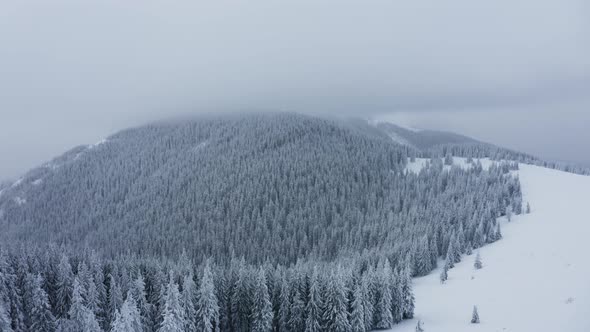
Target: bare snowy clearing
(535,279)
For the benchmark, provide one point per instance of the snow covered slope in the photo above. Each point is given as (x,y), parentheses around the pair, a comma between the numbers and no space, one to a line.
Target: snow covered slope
(537,278)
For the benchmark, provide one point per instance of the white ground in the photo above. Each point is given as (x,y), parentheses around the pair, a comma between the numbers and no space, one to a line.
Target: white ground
(419,163)
(536,279)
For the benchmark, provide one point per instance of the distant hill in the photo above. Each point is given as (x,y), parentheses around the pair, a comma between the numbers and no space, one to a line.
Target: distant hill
(422,139)
(278,187)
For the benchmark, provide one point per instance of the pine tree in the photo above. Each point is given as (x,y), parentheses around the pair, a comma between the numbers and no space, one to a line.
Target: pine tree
(444,276)
(5,323)
(368,305)
(357,317)
(407,294)
(384,316)
(475,316)
(284,305)
(115,298)
(80,317)
(297,311)
(313,310)
(419,327)
(173,315)
(241,301)
(64,287)
(187,300)
(336,304)
(137,291)
(128,318)
(477,264)
(450,259)
(207,304)
(262,314)
(40,317)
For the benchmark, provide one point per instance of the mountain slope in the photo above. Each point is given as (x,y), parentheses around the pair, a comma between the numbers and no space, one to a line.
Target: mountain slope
(277,187)
(422,139)
(534,279)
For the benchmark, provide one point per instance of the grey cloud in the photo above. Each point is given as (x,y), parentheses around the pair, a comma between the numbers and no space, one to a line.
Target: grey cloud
(73,72)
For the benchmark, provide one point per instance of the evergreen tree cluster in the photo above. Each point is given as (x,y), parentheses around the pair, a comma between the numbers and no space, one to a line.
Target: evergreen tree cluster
(280,222)
(46,290)
(269,187)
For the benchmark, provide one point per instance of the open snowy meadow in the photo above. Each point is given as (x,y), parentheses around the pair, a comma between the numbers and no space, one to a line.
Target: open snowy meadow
(537,278)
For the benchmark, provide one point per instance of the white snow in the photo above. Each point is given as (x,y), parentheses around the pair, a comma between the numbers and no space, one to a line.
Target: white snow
(398,139)
(420,163)
(17,183)
(201,145)
(537,278)
(19,201)
(99,143)
(37,182)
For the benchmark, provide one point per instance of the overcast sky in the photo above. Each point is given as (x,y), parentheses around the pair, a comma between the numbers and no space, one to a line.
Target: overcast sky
(511,72)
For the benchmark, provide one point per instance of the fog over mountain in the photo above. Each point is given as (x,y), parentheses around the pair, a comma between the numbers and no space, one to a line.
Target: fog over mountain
(515,73)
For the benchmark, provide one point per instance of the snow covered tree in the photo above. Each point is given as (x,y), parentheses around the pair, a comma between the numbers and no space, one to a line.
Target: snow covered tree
(477,264)
(528,208)
(40,317)
(64,287)
(313,310)
(509,213)
(336,304)
(241,300)
(448,159)
(80,317)
(357,317)
(173,315)
(297,311)
(262,314)
(444,276)
(187,300)
(475,316)
(137,291)
(128,318)
(207,303)
(115,298)
(384,316)
(407,294)
(5,323)
(419,327)
(284,305)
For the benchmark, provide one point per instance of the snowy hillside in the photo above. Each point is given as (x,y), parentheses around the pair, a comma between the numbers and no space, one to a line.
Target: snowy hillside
(537,278)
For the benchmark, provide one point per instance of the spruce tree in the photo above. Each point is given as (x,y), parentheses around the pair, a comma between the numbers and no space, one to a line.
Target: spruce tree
(368,305)
(477,264)
(173,315)
(336,304)
(137,291)
(407,294)
(128,318)
(313,314)
(5,323)
(419,327)
(80,317)
(444,276)
(207,303)
(384,316)
(357,316)
(64,287)
(187,300)
(284,305)
(40,317)
(262,314)
(475,316)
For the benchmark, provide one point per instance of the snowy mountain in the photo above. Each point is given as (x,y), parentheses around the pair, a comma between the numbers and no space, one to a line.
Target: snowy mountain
(422,139)
(535,279)
(282,220)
